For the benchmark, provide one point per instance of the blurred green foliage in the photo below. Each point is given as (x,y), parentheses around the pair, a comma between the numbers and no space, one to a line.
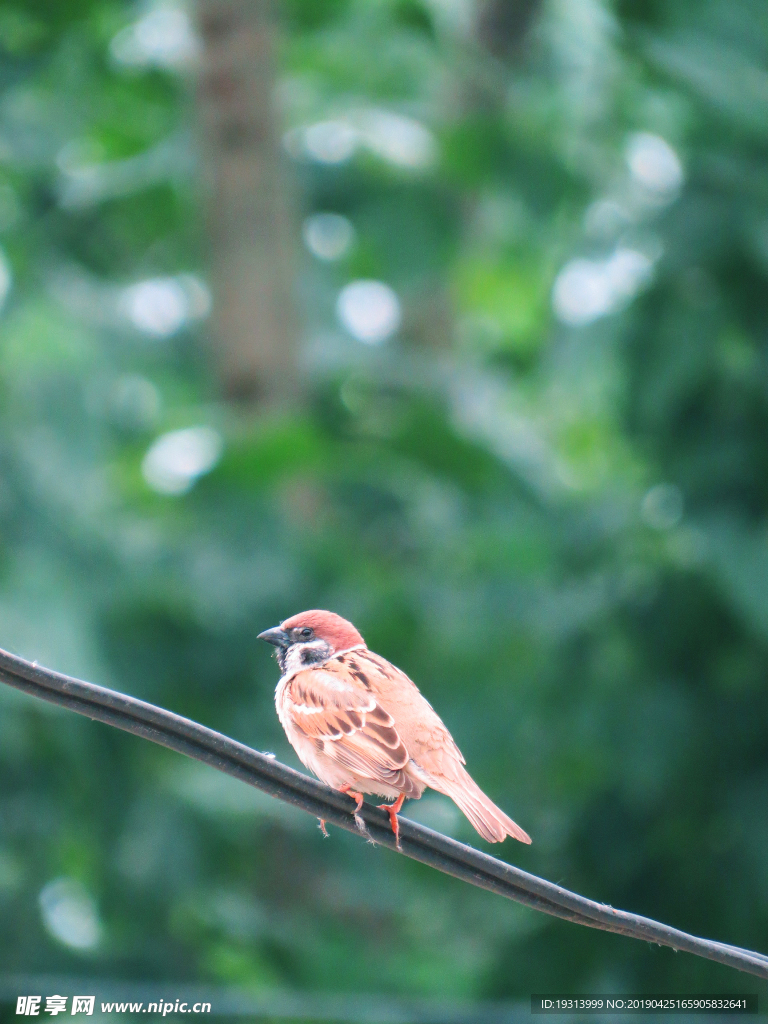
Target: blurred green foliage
(545,497)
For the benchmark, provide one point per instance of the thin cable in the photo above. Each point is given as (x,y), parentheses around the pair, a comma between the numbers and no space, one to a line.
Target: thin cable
(419,843)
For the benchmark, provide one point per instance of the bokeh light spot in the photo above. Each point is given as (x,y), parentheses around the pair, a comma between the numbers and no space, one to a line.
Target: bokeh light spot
(401,141)
(162,38)
(161,306)
(369,310)
(586,290)
(654,164)
(176,460)
(330,142)
(69,913)
(328,236)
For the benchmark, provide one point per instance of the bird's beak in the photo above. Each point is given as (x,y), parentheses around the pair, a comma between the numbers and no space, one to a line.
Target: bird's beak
(275,636)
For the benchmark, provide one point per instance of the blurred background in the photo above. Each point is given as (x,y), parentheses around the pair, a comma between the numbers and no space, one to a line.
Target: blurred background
(449,316)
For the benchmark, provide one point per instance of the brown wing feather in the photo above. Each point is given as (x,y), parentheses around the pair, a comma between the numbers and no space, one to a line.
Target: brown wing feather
(332,707)
(349,707)
(423,731)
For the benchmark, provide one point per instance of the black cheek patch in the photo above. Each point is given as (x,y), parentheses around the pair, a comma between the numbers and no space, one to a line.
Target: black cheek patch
(312,655)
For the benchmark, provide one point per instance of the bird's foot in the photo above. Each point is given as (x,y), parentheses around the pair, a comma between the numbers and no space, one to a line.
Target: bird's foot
(392,810)
(323,829)
(358,797)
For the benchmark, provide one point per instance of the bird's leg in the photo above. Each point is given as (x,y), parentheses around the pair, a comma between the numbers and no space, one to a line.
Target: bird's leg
(347,788)
(392,810)
(323,828)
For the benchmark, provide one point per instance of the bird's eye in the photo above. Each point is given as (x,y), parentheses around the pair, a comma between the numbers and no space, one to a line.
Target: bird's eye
(306,633)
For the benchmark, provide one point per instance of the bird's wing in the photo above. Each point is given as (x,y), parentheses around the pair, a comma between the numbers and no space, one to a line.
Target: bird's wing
(424,733)
(328,705)
(429,743)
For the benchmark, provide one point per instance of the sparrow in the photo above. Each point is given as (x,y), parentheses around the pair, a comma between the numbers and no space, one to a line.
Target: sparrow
(362,727)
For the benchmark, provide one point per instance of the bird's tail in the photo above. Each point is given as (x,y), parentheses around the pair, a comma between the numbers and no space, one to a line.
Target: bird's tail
(488,819)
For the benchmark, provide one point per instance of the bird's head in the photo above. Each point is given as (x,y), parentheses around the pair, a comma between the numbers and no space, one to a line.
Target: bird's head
(310,638)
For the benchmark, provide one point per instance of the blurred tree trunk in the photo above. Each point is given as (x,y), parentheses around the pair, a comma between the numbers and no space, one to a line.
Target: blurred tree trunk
(249,224)
(503,25)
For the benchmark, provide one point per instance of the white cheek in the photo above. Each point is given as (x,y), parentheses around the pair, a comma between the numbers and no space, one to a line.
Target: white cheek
(292,661)
(294,657)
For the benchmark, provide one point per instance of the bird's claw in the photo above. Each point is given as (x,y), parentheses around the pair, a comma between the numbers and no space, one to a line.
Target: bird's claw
(358,798)
(392,810)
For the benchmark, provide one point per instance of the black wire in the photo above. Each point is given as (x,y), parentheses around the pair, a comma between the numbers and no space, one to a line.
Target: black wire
(420,843)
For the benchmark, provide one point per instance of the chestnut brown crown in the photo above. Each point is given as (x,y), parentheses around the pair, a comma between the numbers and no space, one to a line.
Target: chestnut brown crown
(337,632)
